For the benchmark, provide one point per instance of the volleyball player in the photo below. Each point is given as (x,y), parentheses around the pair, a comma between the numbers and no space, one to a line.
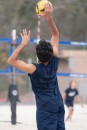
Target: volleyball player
(70,94)
(50,108)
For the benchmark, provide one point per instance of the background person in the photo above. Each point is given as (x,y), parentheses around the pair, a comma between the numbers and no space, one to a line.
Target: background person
(70,95)
(13,97)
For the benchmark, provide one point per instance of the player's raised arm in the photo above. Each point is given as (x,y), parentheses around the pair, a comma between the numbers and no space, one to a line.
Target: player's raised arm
(55,36)
(13,59)
(54,30)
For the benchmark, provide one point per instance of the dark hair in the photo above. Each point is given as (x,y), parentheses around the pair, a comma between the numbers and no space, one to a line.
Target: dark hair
(44,51)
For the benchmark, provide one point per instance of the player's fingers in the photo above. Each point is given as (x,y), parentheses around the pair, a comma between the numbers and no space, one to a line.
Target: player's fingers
(29,33)
(46,6)
(51,7)
(21,34)
(25,32)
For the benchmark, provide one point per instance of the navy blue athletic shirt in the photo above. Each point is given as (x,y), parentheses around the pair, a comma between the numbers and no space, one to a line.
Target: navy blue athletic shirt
(70,95)
(45,84)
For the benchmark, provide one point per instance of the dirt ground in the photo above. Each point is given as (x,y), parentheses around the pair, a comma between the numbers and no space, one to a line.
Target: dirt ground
(26,118)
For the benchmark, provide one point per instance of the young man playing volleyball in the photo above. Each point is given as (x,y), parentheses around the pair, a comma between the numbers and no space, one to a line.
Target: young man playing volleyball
(50,108)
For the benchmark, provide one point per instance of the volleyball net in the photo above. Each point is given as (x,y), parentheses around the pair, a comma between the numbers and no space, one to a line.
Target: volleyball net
(72,65)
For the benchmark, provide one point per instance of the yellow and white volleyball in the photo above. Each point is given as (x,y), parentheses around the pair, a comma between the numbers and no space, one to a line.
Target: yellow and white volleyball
(40,6)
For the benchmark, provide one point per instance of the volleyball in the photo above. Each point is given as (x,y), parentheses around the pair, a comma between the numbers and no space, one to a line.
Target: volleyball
(40,6)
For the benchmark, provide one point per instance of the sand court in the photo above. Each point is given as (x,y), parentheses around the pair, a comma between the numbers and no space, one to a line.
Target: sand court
(26,118)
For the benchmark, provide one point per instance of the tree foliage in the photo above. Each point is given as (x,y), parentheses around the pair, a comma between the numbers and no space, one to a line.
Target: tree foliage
(70,17)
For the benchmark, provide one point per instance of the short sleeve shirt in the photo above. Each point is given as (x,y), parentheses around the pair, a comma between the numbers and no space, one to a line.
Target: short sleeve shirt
(44,81)
(71,94)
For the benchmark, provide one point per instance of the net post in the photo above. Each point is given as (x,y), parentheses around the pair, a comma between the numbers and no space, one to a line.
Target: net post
(13,44)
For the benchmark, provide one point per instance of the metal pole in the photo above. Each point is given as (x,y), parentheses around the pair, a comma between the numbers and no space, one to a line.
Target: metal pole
(38,32)
(13,35)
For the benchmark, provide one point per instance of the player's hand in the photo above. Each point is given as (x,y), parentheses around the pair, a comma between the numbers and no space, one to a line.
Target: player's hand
(48,11)
(25,37)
